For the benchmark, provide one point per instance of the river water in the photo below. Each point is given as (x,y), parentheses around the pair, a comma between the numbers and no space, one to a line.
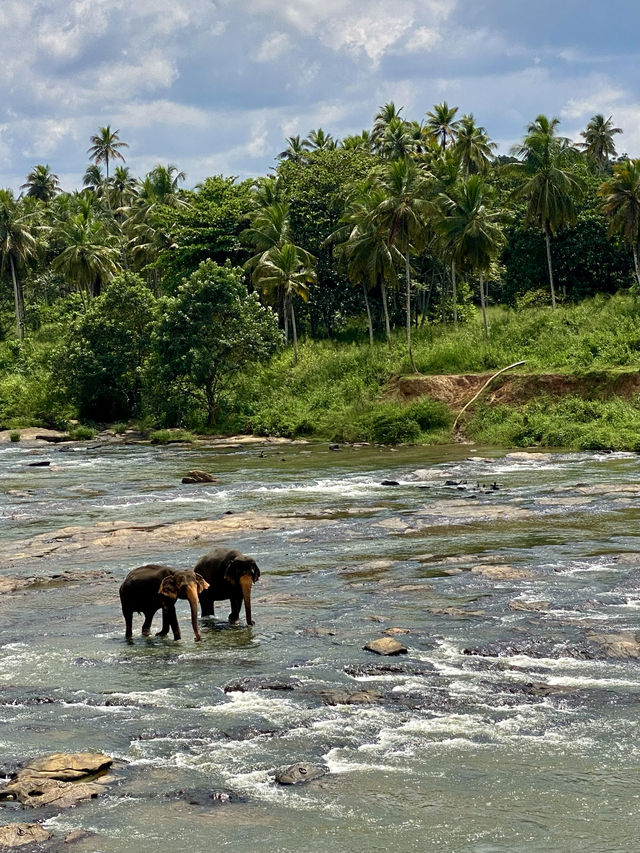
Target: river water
(510,725)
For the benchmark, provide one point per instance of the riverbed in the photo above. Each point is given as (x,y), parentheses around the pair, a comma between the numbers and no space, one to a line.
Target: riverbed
(512,578)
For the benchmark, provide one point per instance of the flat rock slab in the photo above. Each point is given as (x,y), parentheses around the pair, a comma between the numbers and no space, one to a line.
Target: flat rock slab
(60,780)
(296,774)
(386,646)
(331,696)
(68,767)
(249,684)
(623,646)
(19,834)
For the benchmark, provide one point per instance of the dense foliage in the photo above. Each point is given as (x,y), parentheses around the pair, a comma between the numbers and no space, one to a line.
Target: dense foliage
(135,298)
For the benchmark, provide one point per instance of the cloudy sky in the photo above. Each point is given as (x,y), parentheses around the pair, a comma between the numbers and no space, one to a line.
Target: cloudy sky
(215,86)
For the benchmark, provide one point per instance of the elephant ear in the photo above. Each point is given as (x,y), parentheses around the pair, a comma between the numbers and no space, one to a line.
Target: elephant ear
(240,567)
(202,584)
(169,588)
(255,571)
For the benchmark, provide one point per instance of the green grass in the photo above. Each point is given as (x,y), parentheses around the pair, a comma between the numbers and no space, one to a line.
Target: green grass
(168,436)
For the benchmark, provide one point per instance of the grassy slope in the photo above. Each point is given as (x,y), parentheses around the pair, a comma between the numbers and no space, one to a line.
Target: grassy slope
(335,390)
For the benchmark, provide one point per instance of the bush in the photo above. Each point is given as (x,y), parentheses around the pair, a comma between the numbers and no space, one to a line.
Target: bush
(169,436)
(82,432)
(14,436)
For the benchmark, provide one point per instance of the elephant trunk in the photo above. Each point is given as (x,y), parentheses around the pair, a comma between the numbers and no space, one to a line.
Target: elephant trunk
(192,597)
(246,582)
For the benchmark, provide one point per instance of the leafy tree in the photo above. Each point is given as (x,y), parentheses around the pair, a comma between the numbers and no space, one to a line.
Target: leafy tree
(106,348)
(41,183)
(441,123)
(548,183)
(620,196)
(105,146)
(473,146)
(598,140)
(17,244)
(208,332)
(296,150)
(90,253)
(318,140)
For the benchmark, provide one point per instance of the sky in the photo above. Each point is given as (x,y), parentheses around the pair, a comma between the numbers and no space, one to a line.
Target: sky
(215,86)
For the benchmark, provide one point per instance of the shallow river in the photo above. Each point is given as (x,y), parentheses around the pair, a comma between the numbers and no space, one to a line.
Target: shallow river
(510,725)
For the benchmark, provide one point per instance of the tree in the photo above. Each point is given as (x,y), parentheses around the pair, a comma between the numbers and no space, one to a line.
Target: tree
(90,254)
(318,140)
(620,196)
(403,214)
(296,149)
(548,183)
(598,140)
(472,229)
(473,146)
(208,332)
(93,179)
(123,186)
(106,348)
(17,244)
(397,140)
(287,269)
(385,115)
(105,146)
(440,123)
(41,183)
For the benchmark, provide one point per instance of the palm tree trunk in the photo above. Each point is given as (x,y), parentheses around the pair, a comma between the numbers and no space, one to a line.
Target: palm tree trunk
(407,275)
(634,249)
(285,315)
(385,308)
(454,294)
(19,300)
(484,307)
(294,332)
(366,302)
(547,239)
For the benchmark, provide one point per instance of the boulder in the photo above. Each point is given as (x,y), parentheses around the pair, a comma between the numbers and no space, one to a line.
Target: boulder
(44,464)
(68,767)
(337,696)
(623,646)
(386,646)
(249,684)
(199,477)
(19,834)
(389,483)
(60,780)
(295,774)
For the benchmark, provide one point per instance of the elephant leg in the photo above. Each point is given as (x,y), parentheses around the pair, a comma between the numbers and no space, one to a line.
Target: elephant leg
(206,605)
(146,625)
(166,624)
(128,623)
(173,619)
(236,604)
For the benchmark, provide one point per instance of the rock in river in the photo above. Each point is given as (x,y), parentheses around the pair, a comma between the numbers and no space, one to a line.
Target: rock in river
(301,772)
(386,646)
(19,834)
(60,780)
(199,477)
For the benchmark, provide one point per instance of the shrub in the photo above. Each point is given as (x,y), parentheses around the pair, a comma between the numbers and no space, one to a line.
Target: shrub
(168,436)
(14,435)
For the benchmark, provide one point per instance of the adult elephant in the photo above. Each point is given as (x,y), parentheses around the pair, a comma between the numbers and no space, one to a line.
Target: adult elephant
(149,588)
(230,575)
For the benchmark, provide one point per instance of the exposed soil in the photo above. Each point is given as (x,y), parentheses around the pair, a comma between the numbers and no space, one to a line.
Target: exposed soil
(457,389)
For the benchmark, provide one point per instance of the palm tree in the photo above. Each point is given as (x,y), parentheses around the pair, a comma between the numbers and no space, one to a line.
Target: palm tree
(385,115)
(548,184)
(123,186)
(105,146)
(440,123)
(598,140)
(90,254)
(296,150)
(318,140)
(473,146)
(620,196)
(358,142)
(41,183)
(471,228)
(17,244)
(397,140)
(93,179)
(403,214)
(286,269)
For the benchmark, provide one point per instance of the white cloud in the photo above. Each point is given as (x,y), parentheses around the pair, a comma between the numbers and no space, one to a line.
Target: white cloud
(423,38)
(272,47)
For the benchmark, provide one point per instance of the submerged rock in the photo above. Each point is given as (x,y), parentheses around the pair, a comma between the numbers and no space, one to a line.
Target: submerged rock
(199,477)
(371,670)
(206,797)
(389,483)
(386,646)
(18,834)
(337,696)
(249,684)
(295,774)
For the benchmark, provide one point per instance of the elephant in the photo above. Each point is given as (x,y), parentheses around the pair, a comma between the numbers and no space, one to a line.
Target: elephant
(149,588)
(230,575)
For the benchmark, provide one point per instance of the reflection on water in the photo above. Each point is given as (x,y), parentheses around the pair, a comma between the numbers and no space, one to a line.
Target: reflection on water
(511,725)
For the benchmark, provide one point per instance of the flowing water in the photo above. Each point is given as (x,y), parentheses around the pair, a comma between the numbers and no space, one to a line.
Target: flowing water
(510,725)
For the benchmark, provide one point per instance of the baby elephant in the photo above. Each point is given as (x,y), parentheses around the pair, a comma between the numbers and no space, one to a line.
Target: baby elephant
(149,588)
(230,575)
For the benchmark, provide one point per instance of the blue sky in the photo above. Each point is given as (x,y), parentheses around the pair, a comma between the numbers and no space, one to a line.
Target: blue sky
(215,86)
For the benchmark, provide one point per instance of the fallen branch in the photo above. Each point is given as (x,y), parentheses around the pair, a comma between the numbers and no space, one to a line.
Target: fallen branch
(474,398)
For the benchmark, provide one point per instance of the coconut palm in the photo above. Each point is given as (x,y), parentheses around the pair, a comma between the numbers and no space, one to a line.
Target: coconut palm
(296,150)
(620,196)
(441,123)
(397,140)
(385,115)
(93,178)
(358,142)
(318,140)
(598,140)
(471,227)
(105,146)
(41,183)
(18,243)
(547,182)
(473,146)
(403,214)
(123,186)
(90,254)
(290,270)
